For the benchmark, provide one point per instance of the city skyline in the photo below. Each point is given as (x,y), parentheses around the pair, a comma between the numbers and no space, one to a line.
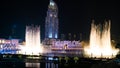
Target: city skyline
(74,16)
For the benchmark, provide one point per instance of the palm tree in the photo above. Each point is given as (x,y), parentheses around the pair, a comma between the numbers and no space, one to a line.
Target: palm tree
(10,56)
(76,59)
(60,58)
(4,56)
(40,57)
(20,56)
(66,59)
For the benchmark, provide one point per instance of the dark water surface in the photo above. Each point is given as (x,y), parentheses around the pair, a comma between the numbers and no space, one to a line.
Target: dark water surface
(24,61)
(55,64)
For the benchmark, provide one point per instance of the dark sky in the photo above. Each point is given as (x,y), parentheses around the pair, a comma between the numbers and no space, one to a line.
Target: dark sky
(75,16)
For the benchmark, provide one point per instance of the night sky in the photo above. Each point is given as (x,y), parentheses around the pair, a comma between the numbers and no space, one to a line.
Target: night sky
(75,16)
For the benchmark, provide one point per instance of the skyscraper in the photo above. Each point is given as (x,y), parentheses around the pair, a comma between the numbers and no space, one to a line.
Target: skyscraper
(51,23)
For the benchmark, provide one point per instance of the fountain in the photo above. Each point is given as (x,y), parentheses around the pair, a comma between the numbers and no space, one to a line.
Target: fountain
(32,39)
(100,42)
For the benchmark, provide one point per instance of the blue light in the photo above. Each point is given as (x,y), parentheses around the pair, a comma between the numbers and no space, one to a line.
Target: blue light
(50,58)
(52,3)
(50,35)
(56,36)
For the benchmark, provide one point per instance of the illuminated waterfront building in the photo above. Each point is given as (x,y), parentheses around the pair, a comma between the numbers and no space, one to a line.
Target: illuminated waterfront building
(9,45)
(66,45)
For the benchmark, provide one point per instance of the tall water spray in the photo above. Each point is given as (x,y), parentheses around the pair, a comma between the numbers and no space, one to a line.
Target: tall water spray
(32,39)
(100,42)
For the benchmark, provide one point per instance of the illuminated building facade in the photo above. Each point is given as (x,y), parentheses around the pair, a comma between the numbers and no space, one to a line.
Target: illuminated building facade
(51,23)
(9,45)
(66,45)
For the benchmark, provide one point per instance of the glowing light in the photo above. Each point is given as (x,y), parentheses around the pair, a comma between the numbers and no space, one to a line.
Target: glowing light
(30,50)
(56,36)
(52,3)
(100,42)
(50,35)
(32,46)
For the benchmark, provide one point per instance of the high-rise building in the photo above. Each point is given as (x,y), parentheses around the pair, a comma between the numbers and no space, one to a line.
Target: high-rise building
(69,36)
(51,23)
(62,37)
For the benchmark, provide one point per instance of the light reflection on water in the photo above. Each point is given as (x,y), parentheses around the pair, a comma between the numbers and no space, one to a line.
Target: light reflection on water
(51,65)
(35,65)
(39,65)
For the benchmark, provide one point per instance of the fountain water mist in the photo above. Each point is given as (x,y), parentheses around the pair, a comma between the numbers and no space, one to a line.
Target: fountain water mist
(100,42)
(32,38)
